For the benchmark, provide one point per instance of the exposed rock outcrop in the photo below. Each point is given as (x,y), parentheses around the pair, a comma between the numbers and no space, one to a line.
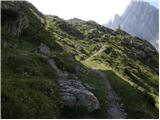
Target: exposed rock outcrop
(73,93)
(14,19)
(13,6)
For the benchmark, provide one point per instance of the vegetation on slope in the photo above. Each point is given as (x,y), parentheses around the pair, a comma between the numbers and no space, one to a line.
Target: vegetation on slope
(29,84)
(131,57)
(137,103)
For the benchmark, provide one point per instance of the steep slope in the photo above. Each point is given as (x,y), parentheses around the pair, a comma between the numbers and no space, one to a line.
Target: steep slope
(139,19)
(46,60)
(30,83)
(26,76)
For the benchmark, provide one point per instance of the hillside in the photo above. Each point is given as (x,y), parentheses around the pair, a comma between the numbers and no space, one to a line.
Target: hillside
(52,68)
(139,19)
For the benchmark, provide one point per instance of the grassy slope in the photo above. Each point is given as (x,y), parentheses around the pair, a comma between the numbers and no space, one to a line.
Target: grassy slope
(125,60)
(29,85)
(119,57)
(22,68)
(136,103)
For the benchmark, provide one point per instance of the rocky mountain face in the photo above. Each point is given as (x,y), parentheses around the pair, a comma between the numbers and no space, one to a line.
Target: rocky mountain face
(52,68)
(19,20)
(139,19)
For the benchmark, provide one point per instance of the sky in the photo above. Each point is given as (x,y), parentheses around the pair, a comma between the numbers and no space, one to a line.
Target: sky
(100,11)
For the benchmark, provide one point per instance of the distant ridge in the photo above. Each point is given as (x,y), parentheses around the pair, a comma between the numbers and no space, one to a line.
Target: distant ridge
(139,19)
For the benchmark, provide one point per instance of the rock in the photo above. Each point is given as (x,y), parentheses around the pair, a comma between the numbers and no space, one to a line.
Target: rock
(73,53)
(93,33)
(129,42)
(60,73)
(141,54)
(44,48)
(121,104)
(10,6)
(98,46)
(72,76)
(108,50)
(73,93)
(20,21)
(80,69)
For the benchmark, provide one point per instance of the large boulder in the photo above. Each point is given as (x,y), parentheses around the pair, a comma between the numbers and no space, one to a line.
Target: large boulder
(73,93)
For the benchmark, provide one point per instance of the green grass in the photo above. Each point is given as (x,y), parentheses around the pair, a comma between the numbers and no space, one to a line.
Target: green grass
(34,97)
(136,103)
(29,85)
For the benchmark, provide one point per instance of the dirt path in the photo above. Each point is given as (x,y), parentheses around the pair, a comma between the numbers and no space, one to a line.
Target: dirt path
(114,109)
(97,53)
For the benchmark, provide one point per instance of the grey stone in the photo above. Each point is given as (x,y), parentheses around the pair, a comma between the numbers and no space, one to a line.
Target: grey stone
(80,69)
(44,48)
(73,93)
(141,54)
(60,73)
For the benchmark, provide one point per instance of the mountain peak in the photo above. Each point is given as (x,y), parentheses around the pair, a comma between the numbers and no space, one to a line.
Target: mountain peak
(139,19)
(142,2)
